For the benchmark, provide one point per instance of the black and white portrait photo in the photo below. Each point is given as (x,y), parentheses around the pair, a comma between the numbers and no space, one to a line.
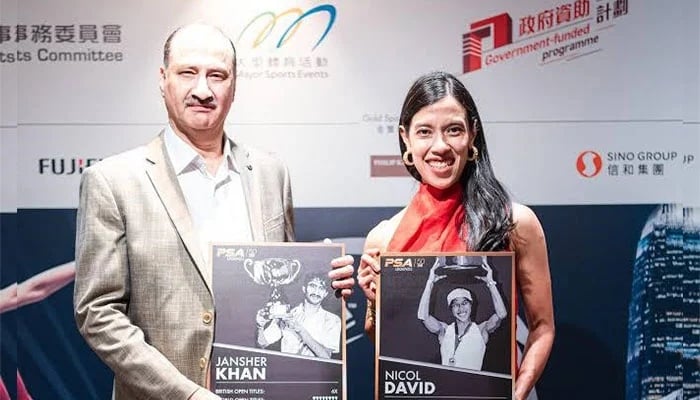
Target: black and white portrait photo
(278,298)
(307,328)
(279,330)
(462,340)
(449,310)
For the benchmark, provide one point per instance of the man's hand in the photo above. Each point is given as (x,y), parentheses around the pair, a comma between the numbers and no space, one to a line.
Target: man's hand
(293,324)
(341,274)
(262,318)
(203,394)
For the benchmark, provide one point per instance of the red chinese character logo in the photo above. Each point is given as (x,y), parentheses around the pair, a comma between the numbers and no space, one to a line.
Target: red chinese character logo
(499,28)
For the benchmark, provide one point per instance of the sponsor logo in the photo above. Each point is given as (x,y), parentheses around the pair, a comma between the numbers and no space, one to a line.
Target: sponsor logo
(265,23)
(565,31)
(61,43)
(278,29)
(387,166)
(404,263)
(398,262)
(233,253)
(589,163)
(499,27)
(65,166)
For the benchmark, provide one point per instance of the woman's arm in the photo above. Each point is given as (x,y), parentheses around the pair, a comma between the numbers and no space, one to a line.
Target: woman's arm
(369,268)
(45,283)
(532,268)
(500,311)
(367,275)
(431,323)
(8,298)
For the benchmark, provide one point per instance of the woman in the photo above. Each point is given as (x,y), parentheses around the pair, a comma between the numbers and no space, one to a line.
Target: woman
(463,342)
(459,206)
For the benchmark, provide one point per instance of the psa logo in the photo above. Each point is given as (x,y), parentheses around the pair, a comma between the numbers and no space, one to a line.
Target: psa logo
(498,27)
(404,262)
(65,166)
(272,20)
(236,253)
(589,163)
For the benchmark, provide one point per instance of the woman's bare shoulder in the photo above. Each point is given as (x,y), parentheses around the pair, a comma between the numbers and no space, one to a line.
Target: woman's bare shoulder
(380,235)
(527,226)
(521,212)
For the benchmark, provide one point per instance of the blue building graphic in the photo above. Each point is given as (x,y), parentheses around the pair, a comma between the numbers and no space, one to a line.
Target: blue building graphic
(663,352)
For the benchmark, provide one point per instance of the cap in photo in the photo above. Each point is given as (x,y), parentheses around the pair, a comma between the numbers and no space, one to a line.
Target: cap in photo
(459,292)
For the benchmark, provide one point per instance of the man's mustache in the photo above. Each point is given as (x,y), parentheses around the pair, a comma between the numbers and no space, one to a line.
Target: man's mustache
(201,103)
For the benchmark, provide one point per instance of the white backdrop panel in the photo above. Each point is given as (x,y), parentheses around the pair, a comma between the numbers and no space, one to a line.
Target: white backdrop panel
(691,79)
(8,170)
(327,126)
(633,58)
(8,71)
(691,180)
(538,162)
(48,173)
(330,165)
(333,172)
(642,162)
(368,59)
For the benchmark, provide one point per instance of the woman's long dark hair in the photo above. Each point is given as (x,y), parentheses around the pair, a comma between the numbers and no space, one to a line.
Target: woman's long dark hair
(488,211)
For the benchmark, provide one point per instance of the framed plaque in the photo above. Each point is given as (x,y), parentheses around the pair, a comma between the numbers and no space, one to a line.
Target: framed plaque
(446,326)
(280,331)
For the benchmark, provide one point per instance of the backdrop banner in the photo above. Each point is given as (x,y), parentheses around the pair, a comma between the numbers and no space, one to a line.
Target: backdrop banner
(590,109)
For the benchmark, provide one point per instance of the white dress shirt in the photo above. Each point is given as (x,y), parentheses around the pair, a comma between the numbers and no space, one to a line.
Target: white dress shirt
(216,202)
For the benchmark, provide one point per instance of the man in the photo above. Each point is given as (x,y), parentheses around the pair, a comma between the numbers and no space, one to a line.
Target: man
(143,298)
(308,329)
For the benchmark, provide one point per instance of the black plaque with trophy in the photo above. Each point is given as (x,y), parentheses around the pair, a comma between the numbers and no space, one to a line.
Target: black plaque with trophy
(280,331)
(446,326)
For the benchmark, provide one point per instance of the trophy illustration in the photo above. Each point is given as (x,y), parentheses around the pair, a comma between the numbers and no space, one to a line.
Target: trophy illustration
(274,272)
(459,265)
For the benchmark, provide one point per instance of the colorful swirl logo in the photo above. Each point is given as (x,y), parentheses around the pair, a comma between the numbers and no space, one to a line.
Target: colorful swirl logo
(291,30)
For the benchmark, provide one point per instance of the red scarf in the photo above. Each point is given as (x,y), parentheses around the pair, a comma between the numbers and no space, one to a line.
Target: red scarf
(432,222)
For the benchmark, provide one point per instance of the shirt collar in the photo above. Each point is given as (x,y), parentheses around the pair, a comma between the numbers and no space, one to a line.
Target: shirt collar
(182,155)
(228,155)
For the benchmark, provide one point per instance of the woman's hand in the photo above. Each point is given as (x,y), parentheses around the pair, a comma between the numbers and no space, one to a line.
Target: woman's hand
(489,272)
(432,276)
(367,273)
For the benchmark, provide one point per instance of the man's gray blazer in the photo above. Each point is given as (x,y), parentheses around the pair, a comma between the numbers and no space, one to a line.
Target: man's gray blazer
(143,296)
